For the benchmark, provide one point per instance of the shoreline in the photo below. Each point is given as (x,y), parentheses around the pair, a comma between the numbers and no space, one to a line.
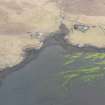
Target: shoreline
(59,37)
(86,31)
(13,47)
(31,54)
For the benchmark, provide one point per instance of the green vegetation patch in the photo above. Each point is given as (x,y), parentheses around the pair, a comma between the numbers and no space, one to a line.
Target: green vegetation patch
(91,67)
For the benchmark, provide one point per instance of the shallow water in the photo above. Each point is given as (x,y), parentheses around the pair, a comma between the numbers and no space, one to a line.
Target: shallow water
(40,83)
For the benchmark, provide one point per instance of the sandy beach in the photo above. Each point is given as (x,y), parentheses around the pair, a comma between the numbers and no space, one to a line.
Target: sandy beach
(12,49)
(94,36)
(19,20)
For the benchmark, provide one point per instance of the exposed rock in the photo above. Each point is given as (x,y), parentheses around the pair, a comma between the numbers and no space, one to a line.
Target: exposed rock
(81,27)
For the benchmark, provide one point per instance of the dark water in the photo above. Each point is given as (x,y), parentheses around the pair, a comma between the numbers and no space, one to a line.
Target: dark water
(38,84)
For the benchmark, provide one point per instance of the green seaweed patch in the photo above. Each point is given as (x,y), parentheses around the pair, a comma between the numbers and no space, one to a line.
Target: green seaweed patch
(95,56)
(92,77)
(85,72)
(69,59)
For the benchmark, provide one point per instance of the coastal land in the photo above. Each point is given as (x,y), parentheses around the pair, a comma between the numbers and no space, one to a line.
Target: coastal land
(26,24)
